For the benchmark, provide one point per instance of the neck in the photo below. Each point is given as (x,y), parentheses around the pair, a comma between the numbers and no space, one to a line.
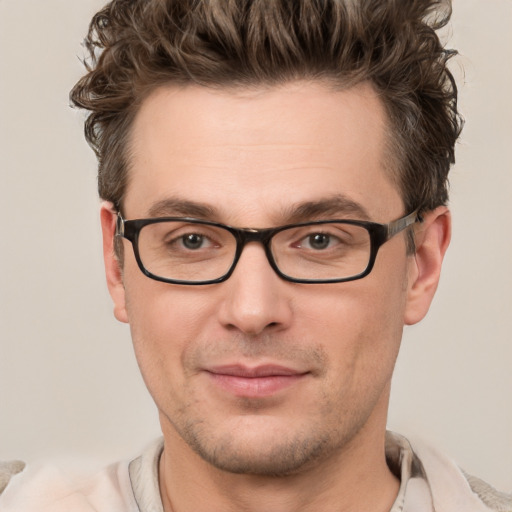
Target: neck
(357,478)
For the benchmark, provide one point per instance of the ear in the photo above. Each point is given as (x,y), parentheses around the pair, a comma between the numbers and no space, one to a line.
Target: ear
(113,268)
(432,238)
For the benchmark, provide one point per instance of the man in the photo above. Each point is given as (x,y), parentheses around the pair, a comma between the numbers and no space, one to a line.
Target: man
(274,185)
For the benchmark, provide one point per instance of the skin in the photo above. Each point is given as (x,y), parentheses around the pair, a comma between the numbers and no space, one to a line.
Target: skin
(252,156)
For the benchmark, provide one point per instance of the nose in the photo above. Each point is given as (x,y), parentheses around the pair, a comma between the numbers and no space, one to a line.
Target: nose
(256,299)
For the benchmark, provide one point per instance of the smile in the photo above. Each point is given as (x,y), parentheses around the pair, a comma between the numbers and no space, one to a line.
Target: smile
(255,382)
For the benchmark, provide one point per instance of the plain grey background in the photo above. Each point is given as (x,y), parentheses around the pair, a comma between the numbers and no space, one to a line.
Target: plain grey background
(69,384)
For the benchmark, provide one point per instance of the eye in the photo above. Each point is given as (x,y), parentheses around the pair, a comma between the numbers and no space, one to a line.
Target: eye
(317,241)
(194,241)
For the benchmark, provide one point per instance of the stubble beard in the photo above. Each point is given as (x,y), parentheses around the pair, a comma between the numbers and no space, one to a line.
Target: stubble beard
(270,454)
(285,457)
(290,449)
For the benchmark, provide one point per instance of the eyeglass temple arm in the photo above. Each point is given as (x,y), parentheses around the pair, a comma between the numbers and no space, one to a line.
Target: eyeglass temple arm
(119,225)
(400,224)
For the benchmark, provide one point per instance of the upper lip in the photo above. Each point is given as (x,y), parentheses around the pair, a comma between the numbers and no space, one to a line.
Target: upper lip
(267,370)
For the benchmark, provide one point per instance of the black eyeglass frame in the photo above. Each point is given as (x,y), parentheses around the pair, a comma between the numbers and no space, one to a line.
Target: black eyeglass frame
(379,235)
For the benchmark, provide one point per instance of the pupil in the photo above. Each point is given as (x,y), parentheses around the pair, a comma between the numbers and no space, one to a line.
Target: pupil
(319,241)
(192,241)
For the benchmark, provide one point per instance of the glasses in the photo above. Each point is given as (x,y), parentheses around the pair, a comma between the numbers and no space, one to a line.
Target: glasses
(197,252)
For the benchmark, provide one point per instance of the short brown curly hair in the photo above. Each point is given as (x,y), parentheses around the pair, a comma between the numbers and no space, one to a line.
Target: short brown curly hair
(135,46)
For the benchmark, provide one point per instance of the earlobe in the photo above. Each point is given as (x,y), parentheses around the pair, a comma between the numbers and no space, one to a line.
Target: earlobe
(432,238)
(113,269)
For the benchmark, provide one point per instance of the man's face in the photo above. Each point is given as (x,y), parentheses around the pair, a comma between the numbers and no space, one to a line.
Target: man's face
(256,374)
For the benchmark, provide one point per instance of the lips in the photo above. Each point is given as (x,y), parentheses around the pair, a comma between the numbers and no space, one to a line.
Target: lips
(254,382)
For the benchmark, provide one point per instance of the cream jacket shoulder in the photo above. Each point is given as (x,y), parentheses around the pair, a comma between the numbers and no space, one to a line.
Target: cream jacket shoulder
(430,482)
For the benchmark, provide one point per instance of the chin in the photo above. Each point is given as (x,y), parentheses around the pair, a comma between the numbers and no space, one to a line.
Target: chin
(262,448)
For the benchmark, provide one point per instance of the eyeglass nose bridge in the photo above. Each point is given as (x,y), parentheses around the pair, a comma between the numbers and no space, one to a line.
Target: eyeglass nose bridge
(245,236)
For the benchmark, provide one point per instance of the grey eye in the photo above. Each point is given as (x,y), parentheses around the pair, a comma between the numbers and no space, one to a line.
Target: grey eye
(319,241)
(192,241)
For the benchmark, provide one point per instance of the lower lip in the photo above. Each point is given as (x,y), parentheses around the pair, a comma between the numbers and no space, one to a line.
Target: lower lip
(255,387)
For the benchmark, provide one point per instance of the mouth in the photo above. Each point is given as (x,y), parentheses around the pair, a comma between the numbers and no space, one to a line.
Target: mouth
(254,382)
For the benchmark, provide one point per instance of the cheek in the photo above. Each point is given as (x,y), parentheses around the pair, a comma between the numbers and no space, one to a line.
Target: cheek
(359,323)
(159,310)
(164,320)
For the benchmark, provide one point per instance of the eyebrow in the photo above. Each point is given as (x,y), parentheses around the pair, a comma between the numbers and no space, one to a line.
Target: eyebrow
(174,207)
(330,207)
(334,206)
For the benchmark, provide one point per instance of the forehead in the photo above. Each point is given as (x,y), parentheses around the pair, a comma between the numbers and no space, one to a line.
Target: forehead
(254,153)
